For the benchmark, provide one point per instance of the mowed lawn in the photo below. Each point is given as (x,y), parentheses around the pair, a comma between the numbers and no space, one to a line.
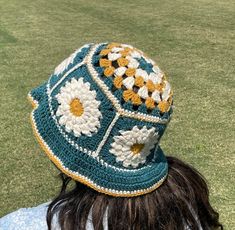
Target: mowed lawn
(192,41)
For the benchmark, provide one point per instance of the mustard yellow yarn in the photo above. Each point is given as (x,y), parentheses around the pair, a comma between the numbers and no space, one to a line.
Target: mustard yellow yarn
(136,148)
(150,103)
(130,72)
(139,81)
(118,82)
(109,71)
(76,107)
(105,62)
(122,61)
(164,106)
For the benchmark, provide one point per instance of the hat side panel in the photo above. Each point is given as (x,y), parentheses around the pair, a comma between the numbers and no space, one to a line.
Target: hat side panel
(105,108)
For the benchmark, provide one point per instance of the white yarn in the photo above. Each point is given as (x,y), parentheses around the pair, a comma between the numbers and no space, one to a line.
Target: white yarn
(156,69)
(112,98)
(84,178)
(154,78)
(143,92)
(127,46)
(114,56)
(129,82)
(64,64)
(121,147)
(133,63)
(89,121)
(156,96)
(107,134)
(116,49)
(142,73)
(120,71)
(166,92)
(135,54)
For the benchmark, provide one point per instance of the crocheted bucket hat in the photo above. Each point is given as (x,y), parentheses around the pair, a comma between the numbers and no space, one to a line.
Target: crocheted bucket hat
(100,117)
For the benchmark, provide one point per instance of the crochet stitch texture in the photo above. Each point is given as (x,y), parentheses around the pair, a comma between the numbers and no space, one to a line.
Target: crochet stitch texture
(100,117)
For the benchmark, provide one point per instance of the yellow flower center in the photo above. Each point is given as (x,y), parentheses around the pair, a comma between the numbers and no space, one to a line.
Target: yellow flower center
(136,148)
(76,107)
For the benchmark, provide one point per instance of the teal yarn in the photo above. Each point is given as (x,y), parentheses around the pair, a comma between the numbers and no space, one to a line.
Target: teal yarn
(100,117)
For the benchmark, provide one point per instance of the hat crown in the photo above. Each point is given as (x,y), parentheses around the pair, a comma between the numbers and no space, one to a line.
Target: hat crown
(135,80)
(108,105)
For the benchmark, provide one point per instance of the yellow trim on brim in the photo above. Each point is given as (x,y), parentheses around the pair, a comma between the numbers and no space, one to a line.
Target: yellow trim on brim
(32,101)
(76,177)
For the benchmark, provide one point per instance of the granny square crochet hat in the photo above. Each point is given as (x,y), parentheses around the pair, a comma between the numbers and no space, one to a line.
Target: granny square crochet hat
(100,117)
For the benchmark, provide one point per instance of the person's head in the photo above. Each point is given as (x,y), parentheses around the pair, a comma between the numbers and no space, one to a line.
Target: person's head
(182,200)
(100,118)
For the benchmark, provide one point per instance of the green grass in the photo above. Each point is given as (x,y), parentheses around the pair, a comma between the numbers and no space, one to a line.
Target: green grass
(193,41)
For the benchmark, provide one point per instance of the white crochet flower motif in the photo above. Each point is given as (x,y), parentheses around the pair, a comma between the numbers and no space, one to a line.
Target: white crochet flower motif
(133,146)
(78,108)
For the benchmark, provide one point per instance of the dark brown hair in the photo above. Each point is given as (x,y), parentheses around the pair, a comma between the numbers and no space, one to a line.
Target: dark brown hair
(181,201)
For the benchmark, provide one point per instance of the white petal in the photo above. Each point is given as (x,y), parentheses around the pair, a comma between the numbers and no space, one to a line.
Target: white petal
(93,129)
(59,111)
(166,92)
(121,158)
(135,128)
(63,120)
(87,85)
(86,131)
(135,163)
(156,96)
(140,140)
(142,73)
(112,151)
(78,121)
(86,102)
(152,131)
(77,127)
(63,98)
(68,129)
(80,80)
(130,142)
(131,156)
(119,139)
(74,82)
(125,154)
(114,56)
(77,133)
(129,82)
(117,147)
(143,92)
(127,134)
(125,149)
(126,163)
(154,78)
(120,71)
(135,135)
(133,63)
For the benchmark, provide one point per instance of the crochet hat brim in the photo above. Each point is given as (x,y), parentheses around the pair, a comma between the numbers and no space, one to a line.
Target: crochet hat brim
(88,170)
